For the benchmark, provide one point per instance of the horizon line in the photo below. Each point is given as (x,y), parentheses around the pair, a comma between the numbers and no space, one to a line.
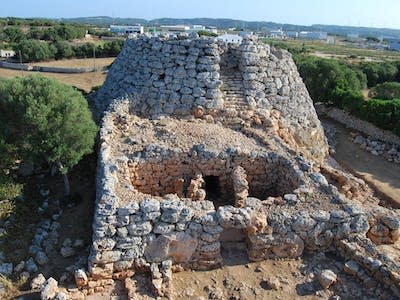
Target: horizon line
(222,18)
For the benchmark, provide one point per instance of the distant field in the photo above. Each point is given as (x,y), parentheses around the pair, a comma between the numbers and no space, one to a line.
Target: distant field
(76,63)
(84,81)
(338,51)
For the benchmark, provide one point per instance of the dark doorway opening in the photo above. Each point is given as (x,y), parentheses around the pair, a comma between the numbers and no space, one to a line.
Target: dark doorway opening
(214,192)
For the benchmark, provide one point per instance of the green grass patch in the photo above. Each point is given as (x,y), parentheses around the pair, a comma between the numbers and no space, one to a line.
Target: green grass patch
(347,52)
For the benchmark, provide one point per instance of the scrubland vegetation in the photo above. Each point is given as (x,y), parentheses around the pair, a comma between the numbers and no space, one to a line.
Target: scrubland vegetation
(340,83)
(43,40)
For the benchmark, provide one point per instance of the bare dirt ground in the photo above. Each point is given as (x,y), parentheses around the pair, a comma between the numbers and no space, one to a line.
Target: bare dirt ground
(378,172)
(240,279)
(365,93)
(75,221)
(83,81)
(77,63)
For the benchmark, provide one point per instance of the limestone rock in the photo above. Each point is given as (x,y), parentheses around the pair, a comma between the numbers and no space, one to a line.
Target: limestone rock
(49,289)
(61,296)
(31,266)
(271,283)
(81,278)
(38,281)
(327,278)
(178,246)
(41,258)
(240,186)
(6,269)
(67,251)
(291,246)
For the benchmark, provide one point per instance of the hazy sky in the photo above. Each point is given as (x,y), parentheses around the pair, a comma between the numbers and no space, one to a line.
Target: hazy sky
(371,13)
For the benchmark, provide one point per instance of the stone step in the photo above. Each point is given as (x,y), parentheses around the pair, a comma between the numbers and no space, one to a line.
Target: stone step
(234,96)
(231,92)
(235,91)
(232,83)
(225,80)
(236,81)
(234,77)
(228,103)
(233,86)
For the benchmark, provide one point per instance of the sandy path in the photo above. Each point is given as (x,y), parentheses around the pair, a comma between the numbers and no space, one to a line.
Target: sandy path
(382,174)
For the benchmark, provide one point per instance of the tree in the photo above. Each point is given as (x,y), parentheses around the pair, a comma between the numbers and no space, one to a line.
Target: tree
(206,33)
(13,34)
(64,50)
(327,79)
(33,50)
(372,39)
(380,72)
(47,122)
(36,33)
(386,91)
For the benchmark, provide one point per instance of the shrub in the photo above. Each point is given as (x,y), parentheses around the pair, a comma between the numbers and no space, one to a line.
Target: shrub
(327,79)
(34,50)
(206,33)
(386,91)
(13,35)
(64,50)
(379,72)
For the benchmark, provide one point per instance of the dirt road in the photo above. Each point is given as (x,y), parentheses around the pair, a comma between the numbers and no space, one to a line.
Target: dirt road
(381,174)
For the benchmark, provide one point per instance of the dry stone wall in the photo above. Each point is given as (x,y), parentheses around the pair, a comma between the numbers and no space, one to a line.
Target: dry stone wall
(267,173)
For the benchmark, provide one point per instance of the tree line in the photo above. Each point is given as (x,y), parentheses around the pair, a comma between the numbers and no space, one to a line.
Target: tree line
(53,41)
(15,34)
(34,50)
(340,84)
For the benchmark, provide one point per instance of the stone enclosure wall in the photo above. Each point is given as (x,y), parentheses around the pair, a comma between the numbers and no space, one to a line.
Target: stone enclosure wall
(172,174)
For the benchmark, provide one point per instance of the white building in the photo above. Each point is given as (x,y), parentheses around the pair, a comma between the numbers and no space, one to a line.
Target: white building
(7,53)
(292,34)
(313,35)
(276,34)
(174,28)
(230,38)
(246,33)
(197,28)
(212,29)
(127,30)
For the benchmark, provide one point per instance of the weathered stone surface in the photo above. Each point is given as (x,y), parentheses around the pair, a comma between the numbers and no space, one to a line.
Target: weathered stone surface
(38,281)
(49,289)
(178,246)
(67,251)
(81,278)
(327,278)
(140,228)
(291,246)
(41,258)
(232,217)
(6,269)
(163,228)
